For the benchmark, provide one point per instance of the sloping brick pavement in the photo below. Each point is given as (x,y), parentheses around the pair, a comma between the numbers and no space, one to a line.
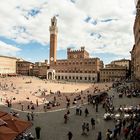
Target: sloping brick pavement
(53,127)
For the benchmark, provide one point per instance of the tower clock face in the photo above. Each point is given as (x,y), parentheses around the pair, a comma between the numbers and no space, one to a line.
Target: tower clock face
(52,59)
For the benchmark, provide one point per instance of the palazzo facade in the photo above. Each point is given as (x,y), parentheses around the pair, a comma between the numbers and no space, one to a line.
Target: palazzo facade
(77,67)
(135,52)
(7,65)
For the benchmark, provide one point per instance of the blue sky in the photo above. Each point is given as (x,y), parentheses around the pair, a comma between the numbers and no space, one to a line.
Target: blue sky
(106,30)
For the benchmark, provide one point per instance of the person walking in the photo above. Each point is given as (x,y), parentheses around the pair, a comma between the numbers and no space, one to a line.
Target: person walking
(83,128)
(37,130)
(77,110)
(28,107)
(70,135)
(22,106)
(86,112)
(93,123)
(87,128)
(65,118)
(68,112)
(108,133)
(28,116)
(96,107)
(93,103)
(80,111)
(124,123)
(99,137)
(32,116)
(37,102)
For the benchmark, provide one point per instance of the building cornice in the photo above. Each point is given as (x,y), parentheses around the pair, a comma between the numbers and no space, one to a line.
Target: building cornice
(8,57)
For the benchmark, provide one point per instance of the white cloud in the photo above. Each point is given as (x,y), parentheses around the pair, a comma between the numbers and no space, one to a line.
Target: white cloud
(7,49)
(117,35)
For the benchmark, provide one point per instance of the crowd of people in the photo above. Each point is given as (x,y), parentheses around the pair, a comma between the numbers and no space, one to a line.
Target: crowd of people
(38,99)
(126,118)
(25,136)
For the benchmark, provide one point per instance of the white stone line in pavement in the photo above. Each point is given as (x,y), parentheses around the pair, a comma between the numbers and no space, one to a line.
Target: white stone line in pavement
(61,109)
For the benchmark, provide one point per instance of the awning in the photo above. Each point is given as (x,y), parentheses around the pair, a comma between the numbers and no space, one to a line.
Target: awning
(7,133)
(15,123)
(2,114)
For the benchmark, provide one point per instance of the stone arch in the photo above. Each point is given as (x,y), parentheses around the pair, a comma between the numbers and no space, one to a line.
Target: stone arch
(50,74)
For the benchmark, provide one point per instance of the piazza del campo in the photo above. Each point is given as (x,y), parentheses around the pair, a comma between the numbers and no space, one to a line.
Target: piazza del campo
(77,98)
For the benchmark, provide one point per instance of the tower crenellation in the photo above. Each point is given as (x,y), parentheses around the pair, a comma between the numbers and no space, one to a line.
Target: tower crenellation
(74,54)
(53,27)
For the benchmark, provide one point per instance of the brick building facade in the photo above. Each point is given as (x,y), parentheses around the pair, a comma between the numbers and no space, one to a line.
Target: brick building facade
(40,69)
(135,53)
(112,73)
(125,63)
(24,67)
(77,67)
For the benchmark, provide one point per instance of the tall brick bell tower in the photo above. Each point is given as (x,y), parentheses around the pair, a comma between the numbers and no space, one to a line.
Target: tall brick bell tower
(53,40)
